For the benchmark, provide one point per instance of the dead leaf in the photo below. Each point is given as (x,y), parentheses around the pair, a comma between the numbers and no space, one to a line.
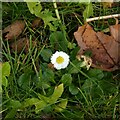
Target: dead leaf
(37,22)
(14,30)
(51,66)
(107,4)
(22,43)
(104,48)
(115,32)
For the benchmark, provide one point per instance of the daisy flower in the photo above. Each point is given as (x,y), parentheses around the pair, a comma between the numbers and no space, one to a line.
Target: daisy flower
(60,60)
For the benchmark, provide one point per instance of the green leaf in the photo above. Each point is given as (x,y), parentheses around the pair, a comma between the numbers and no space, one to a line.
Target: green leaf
(34,7)
(56,94)
(46,54)
(73,89)
(75,68)
(96,73)
(5,69)
(45,85)
(58,41)
(48,75)
(74,52)
(61,106)
(24,80)
(44,98)
(88,11)
(47,17)
(66,79)
(4,81)
(0,89)
(40,106)
(91,88)
(15,104)
(48,109)
(87,86)
(108,87)
(71,45)
(11,114)
(29,102)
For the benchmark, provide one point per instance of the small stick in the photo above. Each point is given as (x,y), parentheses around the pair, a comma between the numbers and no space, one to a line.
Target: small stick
(103,17)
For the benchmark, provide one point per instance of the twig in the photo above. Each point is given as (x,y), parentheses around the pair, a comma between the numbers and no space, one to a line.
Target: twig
(103,17)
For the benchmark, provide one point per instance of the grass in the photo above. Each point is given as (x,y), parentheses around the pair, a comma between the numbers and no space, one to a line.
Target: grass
(91,94)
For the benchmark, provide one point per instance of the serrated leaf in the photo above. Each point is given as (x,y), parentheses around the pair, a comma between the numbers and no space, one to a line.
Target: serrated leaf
(46,54)
(66,79)
(88,11)
(61,106)
(73,89)
(47,16)
(56,94)
(34,7)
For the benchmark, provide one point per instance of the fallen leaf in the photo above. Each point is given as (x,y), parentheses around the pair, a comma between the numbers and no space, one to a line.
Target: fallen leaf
(115,32)
(107,4)
(37,22)
(22,43)
(104,48)
(14,30)
(51,66)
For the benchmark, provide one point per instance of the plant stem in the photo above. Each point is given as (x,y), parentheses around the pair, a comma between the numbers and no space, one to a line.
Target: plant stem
(56,10)
(103,17)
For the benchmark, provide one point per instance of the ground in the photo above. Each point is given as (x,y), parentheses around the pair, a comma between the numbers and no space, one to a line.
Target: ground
(31,86)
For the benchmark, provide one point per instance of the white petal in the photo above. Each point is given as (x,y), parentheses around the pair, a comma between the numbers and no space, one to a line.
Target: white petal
(57,66)
(63,55)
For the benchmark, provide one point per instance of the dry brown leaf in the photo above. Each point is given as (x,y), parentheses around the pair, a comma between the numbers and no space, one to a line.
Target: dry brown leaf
(22,43)
(36,22)
(51,66)
(107,3)
(115,32)
(104,48)
(14,30)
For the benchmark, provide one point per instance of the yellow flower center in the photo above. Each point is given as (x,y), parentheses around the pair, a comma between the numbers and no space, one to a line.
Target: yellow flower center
(60,60)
